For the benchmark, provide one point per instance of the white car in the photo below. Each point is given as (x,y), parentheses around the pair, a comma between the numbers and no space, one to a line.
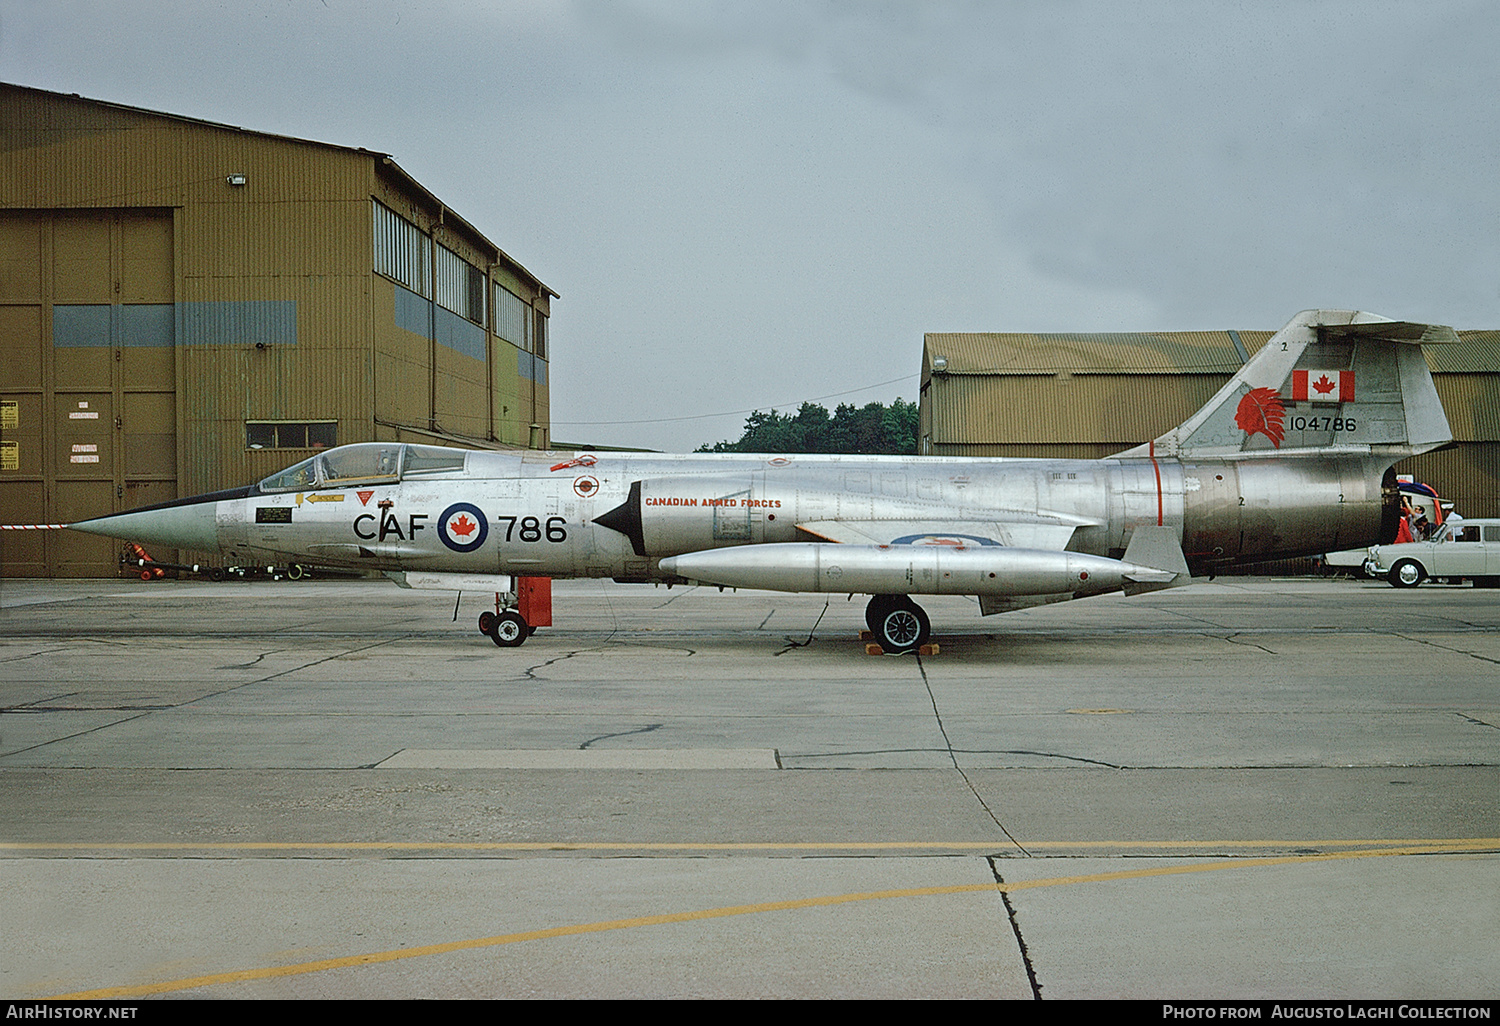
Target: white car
(1462,550)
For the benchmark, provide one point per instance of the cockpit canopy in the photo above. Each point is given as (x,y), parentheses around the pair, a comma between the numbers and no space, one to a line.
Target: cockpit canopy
(364,463)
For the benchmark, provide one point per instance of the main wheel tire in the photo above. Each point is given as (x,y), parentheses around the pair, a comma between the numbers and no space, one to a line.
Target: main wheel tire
(904,628)
(1407,573)
(487,622)
(509,630)
(878,608)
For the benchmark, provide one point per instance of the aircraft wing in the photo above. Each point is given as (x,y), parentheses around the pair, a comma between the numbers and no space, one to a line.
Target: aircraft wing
(1045,536)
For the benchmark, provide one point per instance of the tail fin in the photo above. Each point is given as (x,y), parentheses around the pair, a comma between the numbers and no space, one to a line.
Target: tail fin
(1331,380)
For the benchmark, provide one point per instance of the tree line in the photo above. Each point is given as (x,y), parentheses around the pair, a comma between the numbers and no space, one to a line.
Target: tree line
(872,430)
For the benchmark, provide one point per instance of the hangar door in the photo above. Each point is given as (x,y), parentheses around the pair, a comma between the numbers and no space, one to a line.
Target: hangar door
(88,420)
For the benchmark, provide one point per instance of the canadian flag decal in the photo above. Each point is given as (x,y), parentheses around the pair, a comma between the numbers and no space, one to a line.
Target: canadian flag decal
(1323,386)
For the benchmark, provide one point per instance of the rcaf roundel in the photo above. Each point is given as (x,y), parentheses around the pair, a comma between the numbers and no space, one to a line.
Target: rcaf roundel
(462,527)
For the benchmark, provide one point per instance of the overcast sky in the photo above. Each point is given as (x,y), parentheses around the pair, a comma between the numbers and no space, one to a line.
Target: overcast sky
(745,205)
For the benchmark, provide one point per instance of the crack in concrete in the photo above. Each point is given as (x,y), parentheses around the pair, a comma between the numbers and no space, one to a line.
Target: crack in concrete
(1015,928)
(69,737)
(951,752)
(1445,648)
(21,658)
(37,702)
(953,756)
(244,666)
(1234,639)
(530,671)
(674,598)
(1481,723)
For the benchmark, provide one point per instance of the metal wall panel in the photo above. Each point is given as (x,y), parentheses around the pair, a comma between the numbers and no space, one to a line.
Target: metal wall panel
(20,346)
(1120,409)
(20,258)
(1472,402)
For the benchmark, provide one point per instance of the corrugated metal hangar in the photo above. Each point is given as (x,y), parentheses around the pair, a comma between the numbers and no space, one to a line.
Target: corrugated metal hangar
(187,306)
(1088,396)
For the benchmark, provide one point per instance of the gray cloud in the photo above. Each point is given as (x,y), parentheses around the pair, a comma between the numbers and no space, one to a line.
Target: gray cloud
(753,203)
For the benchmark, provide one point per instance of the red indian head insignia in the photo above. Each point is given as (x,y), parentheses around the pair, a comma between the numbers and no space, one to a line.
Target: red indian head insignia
(1260,413)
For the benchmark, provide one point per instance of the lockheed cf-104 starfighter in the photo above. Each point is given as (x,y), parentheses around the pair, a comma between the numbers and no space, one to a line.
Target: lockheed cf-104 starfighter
(1291,457)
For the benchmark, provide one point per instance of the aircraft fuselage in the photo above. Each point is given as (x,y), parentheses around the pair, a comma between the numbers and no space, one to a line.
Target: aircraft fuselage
(533,515)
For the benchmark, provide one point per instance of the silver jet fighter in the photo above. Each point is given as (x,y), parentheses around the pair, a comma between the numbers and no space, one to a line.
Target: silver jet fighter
(1292,457)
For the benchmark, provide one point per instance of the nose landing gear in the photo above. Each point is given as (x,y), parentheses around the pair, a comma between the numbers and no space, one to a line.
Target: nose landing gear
(506,627)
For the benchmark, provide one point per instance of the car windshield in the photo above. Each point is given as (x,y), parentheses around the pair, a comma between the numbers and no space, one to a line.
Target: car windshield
(365,463)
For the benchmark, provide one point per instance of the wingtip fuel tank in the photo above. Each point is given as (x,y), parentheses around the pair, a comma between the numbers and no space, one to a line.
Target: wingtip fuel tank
(913,570)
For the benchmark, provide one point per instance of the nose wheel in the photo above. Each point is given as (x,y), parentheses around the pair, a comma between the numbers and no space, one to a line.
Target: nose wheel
(507,628)
(898,623)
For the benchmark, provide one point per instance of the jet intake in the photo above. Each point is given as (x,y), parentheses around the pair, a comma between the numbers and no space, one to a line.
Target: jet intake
(915,570)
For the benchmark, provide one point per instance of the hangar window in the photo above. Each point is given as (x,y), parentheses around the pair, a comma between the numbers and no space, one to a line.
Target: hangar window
(512,317)
(540,335)
(280,434)
(460,285)
(401,251)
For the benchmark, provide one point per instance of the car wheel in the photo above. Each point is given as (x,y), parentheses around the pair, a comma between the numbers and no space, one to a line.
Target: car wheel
(1408,573)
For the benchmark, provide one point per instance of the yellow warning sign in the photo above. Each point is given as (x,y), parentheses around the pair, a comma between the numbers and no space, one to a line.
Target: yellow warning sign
(10,413)
(10,456)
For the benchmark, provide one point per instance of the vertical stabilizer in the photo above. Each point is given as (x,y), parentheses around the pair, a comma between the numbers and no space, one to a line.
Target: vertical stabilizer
(1330,381)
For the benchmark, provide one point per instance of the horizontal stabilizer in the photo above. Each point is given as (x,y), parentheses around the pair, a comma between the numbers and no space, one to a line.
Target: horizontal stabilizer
(1158,551)
(1391,331)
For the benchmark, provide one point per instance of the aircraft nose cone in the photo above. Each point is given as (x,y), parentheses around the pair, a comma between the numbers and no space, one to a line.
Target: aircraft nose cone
(188,525)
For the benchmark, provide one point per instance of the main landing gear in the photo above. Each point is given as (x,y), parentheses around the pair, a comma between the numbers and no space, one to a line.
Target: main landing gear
(507,628)
(898,623)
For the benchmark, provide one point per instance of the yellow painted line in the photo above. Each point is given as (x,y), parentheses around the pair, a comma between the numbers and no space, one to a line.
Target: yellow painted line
(1465,843)
(378,957)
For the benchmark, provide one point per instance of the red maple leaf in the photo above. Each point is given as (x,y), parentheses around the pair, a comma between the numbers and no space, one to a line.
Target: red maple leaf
(1260,413)
(1323,385)
(462,526)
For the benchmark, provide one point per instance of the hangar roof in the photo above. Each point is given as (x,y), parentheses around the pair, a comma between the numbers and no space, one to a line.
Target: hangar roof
(1158,352)
(385,163)
(1161,352)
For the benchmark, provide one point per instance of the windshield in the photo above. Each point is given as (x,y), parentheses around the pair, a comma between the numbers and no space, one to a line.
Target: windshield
(364,463)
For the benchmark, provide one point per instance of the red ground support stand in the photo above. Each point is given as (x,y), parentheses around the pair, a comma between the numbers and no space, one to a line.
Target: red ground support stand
(534,600)
(149,570)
